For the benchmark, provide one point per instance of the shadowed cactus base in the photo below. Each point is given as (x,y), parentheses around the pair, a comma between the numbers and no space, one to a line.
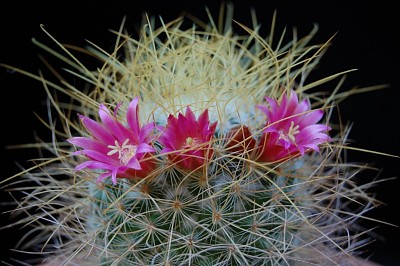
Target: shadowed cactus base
(147,189)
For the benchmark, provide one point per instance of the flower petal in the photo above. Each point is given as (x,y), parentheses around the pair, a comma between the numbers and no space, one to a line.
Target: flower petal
(94,165)
(132,116)
(89,144)
(134,164)
(312,117)
(103,176)
(111,124)
(100,157)
(146,131)
(144,147)
(114,176)
(97,130)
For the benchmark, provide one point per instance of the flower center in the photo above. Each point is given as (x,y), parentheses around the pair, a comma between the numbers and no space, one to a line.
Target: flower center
(125,152)
(190,143)
(290,135)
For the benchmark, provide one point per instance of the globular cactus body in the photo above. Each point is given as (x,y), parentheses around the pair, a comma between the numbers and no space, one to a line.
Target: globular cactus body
(218,159)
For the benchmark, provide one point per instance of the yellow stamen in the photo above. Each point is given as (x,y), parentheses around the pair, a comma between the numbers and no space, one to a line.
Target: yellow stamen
(290,135)
(125,152)
(190,143)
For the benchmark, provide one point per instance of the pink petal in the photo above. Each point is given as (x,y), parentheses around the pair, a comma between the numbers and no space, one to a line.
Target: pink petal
(301,150)
(185,126)
(134,163)
(203,121)
(116,109)
(133,137)
(311,133)
(213,126)
(94,165)
(88,143)
(291,104)
(144,147)
(114,176)
(312,117)
(272,112)
(303,107)
(168,132)
(83,165)
(313,129)
(271,129)
(189,115)
(312,146)
(132,116)
(111,124)
(97,130)
(167,150)
(263,109)
(78,152)
(103,176)
(146,133)
(101,157)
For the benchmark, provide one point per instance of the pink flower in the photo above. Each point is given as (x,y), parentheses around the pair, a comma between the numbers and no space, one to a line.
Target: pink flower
(187,141)
(114,148)
(239,140)
(291,129)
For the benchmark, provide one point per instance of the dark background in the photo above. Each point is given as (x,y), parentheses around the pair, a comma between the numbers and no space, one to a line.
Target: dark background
(366,39)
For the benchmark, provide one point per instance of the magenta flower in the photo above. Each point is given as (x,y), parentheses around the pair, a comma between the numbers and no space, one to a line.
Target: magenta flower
(239,140)
(291,129)
(114,148)
(187,140)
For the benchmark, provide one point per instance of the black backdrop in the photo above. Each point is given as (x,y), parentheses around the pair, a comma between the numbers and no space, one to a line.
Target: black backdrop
(366,39)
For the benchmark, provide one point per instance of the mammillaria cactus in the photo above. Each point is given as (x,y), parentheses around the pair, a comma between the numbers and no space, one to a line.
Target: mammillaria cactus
(196,146)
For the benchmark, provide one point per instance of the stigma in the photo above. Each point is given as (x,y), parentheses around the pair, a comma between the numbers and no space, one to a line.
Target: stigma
(125,151)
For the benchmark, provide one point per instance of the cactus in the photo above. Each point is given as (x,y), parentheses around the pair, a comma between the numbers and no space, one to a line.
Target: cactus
(196,146)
